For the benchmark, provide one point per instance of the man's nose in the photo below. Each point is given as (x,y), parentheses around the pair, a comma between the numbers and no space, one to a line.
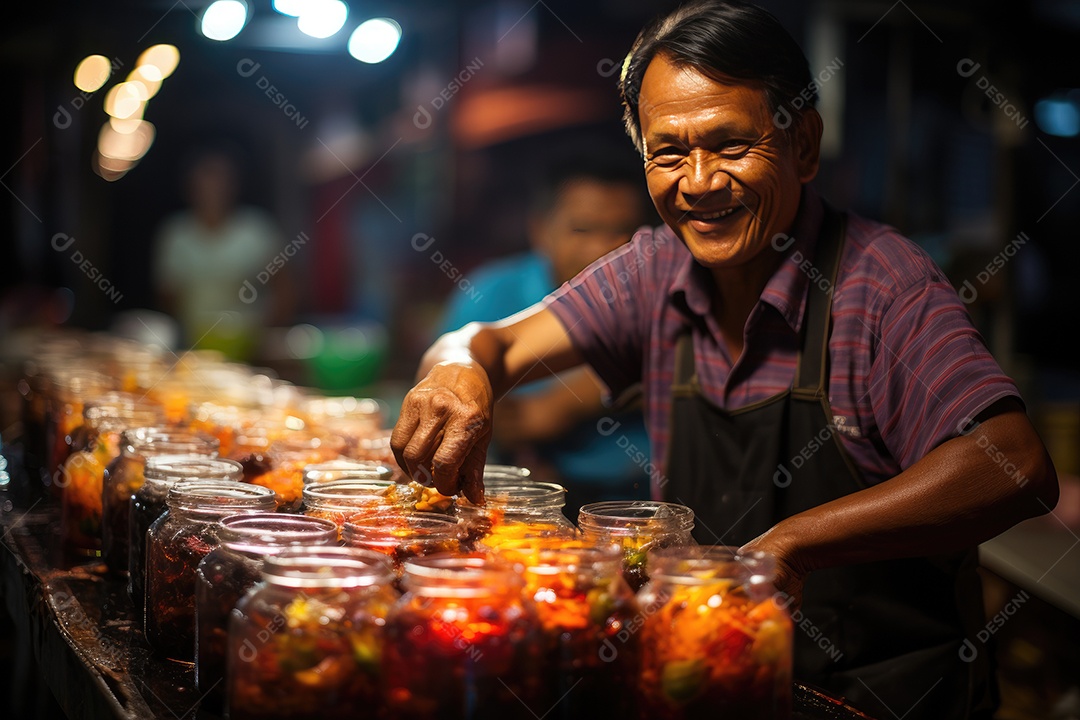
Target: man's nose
(705,174)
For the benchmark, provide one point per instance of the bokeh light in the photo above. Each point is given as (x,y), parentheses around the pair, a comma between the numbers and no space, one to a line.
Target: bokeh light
(164,57)
(374,40)
(92,73)
(322,18)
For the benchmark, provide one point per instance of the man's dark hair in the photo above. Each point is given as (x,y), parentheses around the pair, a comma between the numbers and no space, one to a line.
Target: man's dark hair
(608,166)
(722,40)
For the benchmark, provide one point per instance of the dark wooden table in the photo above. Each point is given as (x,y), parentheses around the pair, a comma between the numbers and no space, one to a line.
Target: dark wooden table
(82,630)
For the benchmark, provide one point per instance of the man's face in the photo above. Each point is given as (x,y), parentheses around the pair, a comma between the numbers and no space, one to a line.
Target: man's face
(720,173)
(589,220)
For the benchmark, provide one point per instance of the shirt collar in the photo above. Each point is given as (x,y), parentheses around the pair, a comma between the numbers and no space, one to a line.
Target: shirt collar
(693,285)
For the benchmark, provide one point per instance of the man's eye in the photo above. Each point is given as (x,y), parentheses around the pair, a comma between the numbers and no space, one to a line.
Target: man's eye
(731,148)
(667,156)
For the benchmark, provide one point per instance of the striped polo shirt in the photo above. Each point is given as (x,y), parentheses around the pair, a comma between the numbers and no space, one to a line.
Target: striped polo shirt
(907,368)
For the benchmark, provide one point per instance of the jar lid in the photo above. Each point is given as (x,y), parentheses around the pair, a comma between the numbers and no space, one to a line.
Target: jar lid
(631,517)
(327,567)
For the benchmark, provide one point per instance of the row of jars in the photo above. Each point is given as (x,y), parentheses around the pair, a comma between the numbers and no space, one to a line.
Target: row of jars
(503,611)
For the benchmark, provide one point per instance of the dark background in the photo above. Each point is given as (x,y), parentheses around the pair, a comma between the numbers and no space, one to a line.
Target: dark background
(915,144)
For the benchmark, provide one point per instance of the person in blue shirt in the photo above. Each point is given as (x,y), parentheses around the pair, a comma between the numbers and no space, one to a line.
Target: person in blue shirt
(584,207)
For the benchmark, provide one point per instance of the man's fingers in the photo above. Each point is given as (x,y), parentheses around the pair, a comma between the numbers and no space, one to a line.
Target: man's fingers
(472,472)
(461,435)
(403,432)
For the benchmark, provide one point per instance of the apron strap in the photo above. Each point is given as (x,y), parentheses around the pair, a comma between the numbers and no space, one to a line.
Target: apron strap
(683,379)
(811,371)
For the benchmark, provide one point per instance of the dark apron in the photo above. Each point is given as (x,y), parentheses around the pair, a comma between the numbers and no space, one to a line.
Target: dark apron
(885,635)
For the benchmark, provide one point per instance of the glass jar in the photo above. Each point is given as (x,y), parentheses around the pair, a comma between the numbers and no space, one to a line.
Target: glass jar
(229,571)
(307,642)
(148,504)
(95,444)
(463,642)
(124,476)
(638,526)
(404,536)
(175,544)
(513,508)
(339,500)
(281,467)
(714,641)
(588,615)
(70,389)
(344,468)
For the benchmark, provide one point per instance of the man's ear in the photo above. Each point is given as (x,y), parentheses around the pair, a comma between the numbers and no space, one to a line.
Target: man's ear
(806,134)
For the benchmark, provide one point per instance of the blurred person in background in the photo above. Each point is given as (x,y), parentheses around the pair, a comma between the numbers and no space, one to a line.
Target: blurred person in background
(214,266)
(585,205)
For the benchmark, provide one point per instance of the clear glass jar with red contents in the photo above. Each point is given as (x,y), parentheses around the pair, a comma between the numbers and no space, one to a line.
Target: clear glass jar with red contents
(714,642)
(69,390)
(96,443)
(339,500)
(149,503)
(637,526)
(404,536)
(175,544)
(124,476)
(588,616)
(463,642)
(512,509)
(307,642)
(229,571)
(281,466)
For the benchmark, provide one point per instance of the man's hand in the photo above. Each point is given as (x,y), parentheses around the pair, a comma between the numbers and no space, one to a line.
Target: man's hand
(790,575)
(443,433)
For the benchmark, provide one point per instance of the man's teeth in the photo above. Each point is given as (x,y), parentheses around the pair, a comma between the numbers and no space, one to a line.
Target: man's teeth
(713,216)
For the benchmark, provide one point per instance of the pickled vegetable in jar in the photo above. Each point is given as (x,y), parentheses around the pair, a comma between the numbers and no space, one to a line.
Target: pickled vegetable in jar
(148,504)
(124,476)
(638,526)
(463,643)
(95,444)
(175,544)
(229,571)
(307,642)
(714,642)
(69,389)
(339,500)
(281,466)
(512,508)
(588,615)
(404,536)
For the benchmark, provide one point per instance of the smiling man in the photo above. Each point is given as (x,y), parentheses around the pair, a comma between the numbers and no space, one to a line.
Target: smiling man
(813,386)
